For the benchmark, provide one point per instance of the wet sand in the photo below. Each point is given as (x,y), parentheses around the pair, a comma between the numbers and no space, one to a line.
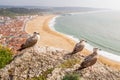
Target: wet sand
(55,39)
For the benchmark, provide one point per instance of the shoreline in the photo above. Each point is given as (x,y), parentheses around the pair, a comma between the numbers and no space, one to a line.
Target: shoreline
(88,46)
(48,37)
(45,28)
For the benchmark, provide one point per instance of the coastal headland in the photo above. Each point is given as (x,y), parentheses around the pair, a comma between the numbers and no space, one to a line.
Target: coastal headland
(56,39)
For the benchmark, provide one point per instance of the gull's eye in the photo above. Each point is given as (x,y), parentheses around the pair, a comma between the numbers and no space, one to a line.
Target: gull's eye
(35,32)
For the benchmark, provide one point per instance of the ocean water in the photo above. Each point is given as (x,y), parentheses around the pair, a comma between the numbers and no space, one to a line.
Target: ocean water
(100,29)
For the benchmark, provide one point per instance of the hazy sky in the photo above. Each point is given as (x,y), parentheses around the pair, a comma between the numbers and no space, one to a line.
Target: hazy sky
(113,4)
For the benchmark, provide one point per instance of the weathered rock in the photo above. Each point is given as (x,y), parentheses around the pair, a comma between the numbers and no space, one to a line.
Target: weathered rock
(33,62)
(28,63)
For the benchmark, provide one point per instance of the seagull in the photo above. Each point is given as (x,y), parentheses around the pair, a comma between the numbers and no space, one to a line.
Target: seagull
(79,47)
(30,42)
(89,60)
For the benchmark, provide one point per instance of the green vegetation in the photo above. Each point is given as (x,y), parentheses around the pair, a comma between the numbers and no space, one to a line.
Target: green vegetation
(5,56)
(4,12)
(44,74)
(12,12)
(71,77)
(70,63)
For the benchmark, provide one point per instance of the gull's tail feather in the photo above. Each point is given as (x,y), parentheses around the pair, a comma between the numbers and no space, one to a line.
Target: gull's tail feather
(80,68)
(21,48)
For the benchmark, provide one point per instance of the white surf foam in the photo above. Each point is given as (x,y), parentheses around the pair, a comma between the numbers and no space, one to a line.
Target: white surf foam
(104,53)
(53,22)
(88,46)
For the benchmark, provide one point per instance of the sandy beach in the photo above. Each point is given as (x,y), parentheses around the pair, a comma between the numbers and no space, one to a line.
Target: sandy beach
(48,37)
(54,39)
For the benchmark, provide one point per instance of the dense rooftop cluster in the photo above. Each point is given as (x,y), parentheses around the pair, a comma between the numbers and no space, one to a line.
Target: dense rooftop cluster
(12,33)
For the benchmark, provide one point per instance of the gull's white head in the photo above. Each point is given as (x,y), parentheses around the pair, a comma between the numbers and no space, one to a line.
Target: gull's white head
(36,34)
(95,49)
(82,42)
